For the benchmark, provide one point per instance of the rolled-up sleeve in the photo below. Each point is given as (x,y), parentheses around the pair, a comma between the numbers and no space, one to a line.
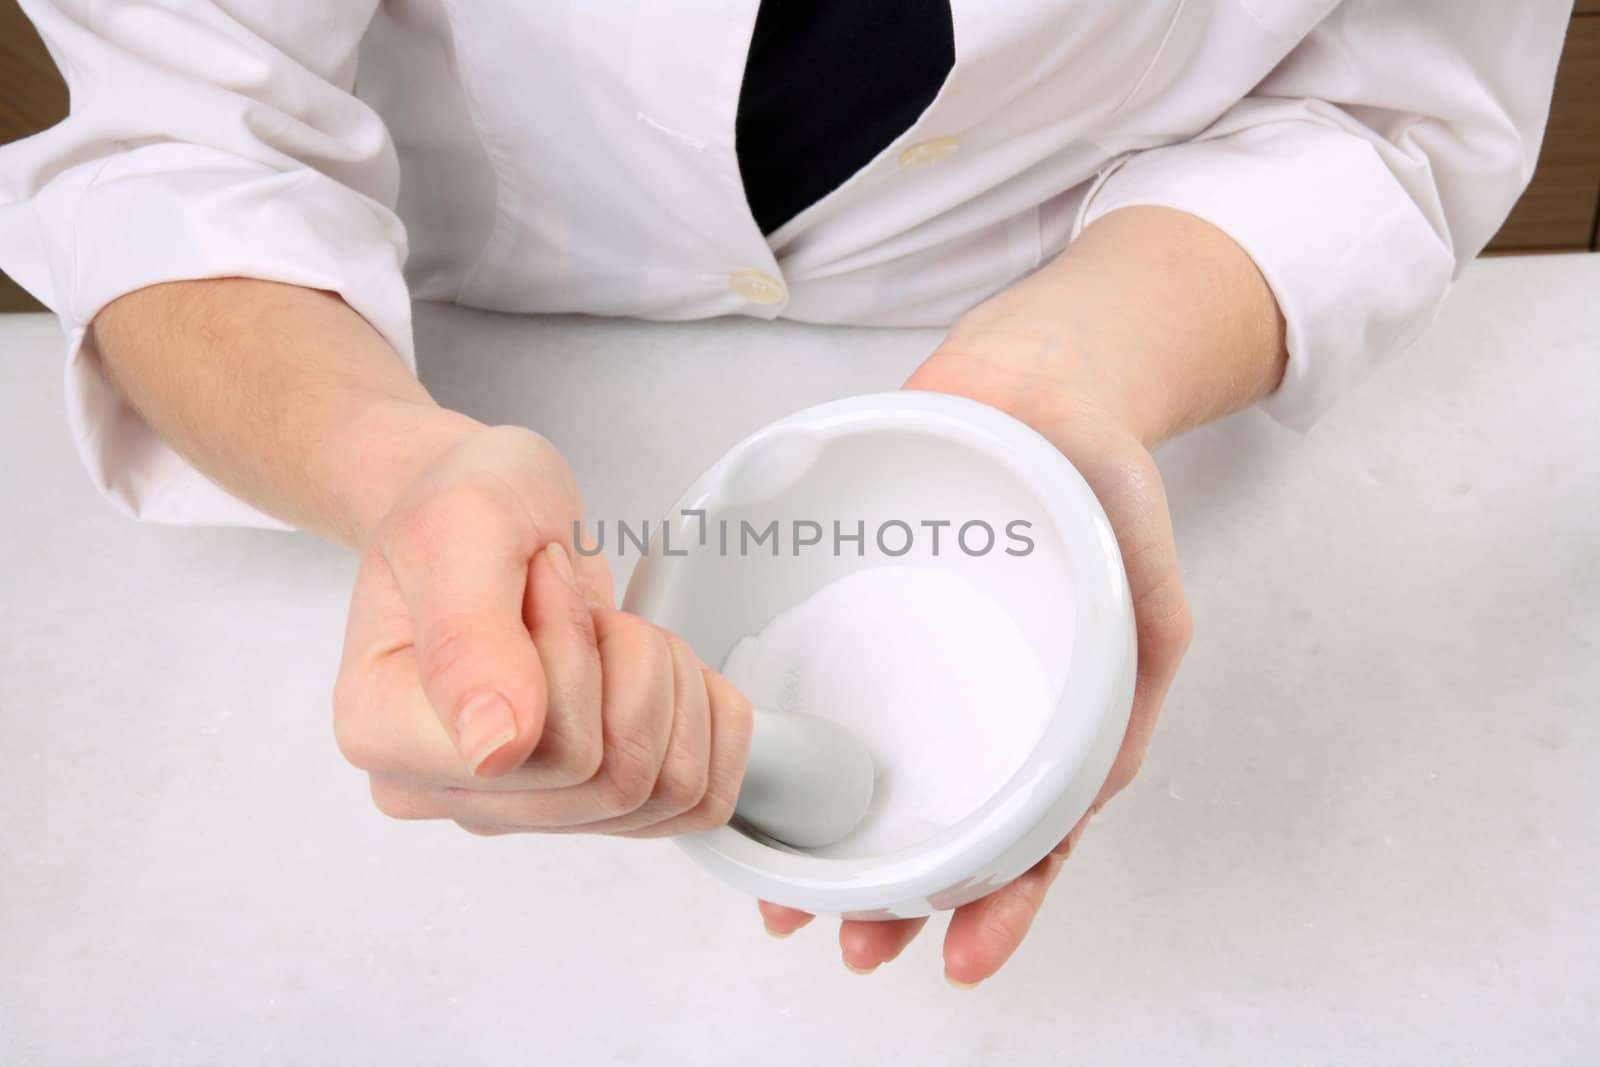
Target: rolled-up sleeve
(205,140)
(1364,173)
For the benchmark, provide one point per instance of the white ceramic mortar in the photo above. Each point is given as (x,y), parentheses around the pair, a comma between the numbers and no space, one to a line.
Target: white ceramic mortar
(910,457)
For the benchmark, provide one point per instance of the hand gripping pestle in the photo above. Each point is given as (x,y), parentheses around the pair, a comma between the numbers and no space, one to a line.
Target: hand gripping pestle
(808,782)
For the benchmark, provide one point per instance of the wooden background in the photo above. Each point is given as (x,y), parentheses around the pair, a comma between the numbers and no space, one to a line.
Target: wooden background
(1559,213)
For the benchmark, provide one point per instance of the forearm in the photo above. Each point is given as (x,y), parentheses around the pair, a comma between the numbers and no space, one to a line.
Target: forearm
(1152,315)
(282,395)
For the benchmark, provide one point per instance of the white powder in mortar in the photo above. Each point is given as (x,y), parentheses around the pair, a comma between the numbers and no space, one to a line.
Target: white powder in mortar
(929,672)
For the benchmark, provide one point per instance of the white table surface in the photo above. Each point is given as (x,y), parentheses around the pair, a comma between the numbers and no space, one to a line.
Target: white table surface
(1368,830)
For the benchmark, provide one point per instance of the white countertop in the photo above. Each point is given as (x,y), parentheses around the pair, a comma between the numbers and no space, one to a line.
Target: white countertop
(1368,830)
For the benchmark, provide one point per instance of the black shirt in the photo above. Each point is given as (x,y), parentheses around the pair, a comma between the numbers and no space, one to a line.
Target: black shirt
(827,86)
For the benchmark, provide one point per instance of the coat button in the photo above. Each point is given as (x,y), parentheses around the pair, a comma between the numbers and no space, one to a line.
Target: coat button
(928,152)
(757,287)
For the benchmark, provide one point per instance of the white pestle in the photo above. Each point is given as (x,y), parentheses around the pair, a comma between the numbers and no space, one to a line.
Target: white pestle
(808,782)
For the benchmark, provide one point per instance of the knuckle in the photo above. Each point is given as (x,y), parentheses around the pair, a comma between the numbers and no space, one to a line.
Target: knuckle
(683,783)
(714,810)
(354,741)
(569,632)
(1163,613)
(1183,624)
(1123,772)
(568,755)
(396,801)
(742,713)
(586,754)
(679,649)
(1138,479)
(644,642)
(444,649)
(734,708)
(628,774)
(1008,920)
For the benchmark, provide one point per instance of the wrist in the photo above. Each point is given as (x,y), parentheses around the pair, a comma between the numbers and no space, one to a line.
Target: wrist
(1152,316)
(383,447)
(1042,372)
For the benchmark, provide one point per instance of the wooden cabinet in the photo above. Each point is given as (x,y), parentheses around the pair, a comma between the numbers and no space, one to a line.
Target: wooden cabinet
(1561,209)
(32,97)
(1559,213)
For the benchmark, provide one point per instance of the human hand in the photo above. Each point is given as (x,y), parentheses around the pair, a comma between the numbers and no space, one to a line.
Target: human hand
(1000,369)
(487,679)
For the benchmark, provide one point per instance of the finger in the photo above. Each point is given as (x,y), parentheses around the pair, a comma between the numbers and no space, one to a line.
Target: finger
(1165,628)
(727,715)
(731,725)
(385,725)
(637,692)
(399,798)
(638,695)
(558,619)
(499,811)
(383,722)
(478,811)
(462,572)
(984,933)
(866,946)
(781,921)
(685,770)
(594,578)
(1069,844)
(1128,485)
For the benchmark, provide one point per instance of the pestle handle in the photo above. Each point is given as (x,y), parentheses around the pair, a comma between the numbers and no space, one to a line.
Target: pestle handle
(808,782)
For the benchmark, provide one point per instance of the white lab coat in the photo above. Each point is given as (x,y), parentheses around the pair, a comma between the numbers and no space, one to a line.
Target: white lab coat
(578,155)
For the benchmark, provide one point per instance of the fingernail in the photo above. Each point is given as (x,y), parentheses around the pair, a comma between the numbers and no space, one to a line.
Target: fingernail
(779,934)
(853,969)
(956,983)
(483,727)
(1063,850)
(562,563)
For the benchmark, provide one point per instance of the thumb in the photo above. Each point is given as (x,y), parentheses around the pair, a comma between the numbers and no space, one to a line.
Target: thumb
(475,660)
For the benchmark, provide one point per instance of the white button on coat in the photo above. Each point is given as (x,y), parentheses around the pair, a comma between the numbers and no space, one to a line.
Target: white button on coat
(928,152)
(756,286)
(568,156)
